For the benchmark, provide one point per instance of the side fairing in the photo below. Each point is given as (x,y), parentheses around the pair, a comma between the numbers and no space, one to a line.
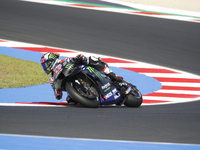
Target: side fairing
(109,93)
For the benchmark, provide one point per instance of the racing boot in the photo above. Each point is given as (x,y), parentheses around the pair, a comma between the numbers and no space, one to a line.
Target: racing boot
(58,94)
(111,74)
(70,101)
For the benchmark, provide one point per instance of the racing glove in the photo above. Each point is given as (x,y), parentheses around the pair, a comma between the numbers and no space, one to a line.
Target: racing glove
(115,77)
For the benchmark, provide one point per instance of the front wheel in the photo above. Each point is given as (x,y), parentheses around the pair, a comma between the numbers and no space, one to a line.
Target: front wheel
(86,96)
(134,98)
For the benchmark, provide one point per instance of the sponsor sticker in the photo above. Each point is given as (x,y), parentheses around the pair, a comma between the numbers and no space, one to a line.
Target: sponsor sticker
(105,86)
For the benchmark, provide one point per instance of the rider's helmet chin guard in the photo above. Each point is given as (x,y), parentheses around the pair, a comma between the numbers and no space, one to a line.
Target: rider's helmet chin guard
(48,60)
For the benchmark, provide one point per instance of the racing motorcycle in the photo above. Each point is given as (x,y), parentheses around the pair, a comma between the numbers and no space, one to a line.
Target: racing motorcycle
(92,88)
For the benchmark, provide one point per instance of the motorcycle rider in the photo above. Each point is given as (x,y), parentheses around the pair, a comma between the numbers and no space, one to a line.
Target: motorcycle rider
(52,64)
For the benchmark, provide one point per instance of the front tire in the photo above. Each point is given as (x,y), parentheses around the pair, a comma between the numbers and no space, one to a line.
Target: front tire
(134,98)
(79,98)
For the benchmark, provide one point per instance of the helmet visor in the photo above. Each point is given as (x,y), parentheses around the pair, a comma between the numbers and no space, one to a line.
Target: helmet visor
(46,68)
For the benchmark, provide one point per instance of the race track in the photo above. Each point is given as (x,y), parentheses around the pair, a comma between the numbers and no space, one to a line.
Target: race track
(164,42)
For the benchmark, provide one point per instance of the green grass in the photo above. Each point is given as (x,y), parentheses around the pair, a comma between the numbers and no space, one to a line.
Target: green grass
(16,73)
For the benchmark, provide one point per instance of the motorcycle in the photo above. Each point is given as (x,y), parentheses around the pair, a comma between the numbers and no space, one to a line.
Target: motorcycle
(92,88)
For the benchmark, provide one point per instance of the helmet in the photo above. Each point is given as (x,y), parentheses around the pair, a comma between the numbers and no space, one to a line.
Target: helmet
(47,61)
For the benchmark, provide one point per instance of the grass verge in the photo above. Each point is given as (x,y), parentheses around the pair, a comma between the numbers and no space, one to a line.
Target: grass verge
(16,73)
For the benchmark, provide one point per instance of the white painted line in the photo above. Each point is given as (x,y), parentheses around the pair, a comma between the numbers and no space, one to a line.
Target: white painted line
(179,92)
(177,84)
(18,44)
(155,8)
(182,16)
(88,139)
(174,75)
(29,105)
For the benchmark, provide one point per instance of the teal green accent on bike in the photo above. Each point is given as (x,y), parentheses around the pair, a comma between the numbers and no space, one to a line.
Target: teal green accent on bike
(69,66)
(99,75)
(126,8)
(107,89)
(90,69)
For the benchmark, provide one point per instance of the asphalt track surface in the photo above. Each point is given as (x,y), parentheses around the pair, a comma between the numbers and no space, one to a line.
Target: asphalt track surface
(164,42)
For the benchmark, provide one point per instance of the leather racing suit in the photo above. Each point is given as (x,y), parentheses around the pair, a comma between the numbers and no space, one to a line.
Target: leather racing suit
(97,63)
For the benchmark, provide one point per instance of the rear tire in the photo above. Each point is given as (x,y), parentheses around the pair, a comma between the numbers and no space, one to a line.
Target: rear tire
(76,96)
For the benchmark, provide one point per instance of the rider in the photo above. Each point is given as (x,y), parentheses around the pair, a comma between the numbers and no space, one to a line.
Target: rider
(52,64)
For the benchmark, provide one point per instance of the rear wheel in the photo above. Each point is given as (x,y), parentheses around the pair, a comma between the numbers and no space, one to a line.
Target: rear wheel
(134,98)
(83,93)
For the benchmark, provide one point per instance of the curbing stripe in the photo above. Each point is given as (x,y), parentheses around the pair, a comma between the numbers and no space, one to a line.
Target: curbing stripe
(177,86)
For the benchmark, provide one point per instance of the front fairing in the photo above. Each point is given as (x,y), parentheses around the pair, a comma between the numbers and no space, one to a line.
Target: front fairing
(110,96)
